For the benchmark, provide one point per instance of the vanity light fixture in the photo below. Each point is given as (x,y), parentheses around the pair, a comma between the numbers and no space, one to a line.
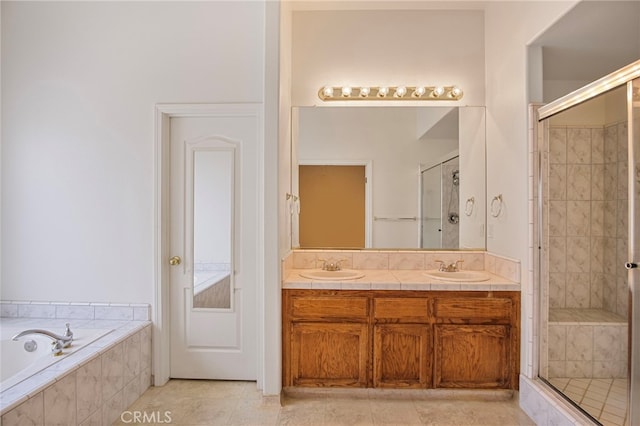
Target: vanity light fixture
(382,92)
(400,91)
(409,93)
(419,91)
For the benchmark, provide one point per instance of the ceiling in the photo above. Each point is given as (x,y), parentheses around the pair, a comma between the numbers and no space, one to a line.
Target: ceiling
(592,40)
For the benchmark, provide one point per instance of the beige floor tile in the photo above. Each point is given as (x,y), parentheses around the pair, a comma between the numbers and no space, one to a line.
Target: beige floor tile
(195,402)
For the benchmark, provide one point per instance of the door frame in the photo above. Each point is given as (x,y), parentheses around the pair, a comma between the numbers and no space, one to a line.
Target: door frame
(368,202)
(161,315)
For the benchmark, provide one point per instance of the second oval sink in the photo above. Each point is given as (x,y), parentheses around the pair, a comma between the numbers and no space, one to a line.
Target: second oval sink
(321,274)
(460,276)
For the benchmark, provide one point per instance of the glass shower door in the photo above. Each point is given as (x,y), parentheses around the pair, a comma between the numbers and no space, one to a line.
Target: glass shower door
(585,240)
(633,101)
(431,220)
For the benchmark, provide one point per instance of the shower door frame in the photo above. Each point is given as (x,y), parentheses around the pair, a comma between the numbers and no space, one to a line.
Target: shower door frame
(624,76)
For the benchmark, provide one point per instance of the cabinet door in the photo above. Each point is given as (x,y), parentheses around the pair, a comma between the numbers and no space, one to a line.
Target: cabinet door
(401,356)
(472,356)
(329,354)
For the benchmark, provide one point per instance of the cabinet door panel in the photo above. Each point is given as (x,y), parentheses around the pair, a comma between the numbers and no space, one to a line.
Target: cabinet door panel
(329,354)
(401,355)
(472,356)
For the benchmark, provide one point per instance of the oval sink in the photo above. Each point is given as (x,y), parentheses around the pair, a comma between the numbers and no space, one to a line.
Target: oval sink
(321,274)
(460,276)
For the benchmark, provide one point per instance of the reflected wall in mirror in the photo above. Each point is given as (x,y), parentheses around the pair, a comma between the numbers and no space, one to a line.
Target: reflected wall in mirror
(213,195)
(403,207)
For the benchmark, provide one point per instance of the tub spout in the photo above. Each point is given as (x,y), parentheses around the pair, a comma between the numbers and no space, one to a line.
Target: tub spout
(59,341)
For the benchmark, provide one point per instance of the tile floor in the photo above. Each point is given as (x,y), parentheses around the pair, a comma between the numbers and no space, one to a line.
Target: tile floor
(199,402)
(605,399)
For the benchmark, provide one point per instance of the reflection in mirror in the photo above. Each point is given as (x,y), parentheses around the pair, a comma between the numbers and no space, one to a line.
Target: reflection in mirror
(440,200)
(393,146)
(213,185)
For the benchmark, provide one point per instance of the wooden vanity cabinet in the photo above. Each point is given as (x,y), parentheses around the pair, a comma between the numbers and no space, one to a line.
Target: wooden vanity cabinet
(401,339)
(477,341)
(326,339)
(401,342)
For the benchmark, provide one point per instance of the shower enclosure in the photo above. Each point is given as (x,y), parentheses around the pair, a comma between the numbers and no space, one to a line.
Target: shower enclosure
(440,204)
(586,229)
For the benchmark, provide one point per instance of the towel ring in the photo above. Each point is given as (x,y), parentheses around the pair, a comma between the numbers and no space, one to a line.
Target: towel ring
(496,205)
(468,207)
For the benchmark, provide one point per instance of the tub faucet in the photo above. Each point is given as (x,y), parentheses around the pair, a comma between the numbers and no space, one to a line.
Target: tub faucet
(59,342)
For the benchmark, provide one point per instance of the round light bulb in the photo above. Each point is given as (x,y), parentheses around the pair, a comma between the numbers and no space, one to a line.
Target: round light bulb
(456,91)
(438,91)
(346,91)
(419,91)
(364,92)
(383,91)
(327,91)
(401,91)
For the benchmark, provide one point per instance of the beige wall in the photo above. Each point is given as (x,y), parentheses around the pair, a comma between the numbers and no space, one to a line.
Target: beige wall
(373,48)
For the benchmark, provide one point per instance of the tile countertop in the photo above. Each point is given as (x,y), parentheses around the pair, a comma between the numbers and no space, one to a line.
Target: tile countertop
(375,279)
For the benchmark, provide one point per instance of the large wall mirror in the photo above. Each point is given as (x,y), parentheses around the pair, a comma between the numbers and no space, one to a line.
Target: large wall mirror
(388,177)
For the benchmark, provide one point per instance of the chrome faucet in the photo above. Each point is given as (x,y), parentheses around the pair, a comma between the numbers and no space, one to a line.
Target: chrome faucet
(331,266)
(59,342)
(452,267)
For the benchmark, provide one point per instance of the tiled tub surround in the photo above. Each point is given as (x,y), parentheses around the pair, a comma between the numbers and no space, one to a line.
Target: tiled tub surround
(400,270)
(92,385)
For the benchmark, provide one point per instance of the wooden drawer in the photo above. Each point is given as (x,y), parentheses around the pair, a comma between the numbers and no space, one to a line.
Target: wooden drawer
(473,308)
(329,307)
(415,309)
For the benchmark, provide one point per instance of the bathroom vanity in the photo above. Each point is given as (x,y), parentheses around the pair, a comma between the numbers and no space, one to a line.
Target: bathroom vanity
(401,339)
(400,329)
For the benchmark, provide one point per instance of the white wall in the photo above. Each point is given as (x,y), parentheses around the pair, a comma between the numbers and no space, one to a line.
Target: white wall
(510,26)
(79,84)
(369,47)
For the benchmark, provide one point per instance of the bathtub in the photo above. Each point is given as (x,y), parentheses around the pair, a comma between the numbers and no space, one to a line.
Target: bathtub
(107,367)
(17,364)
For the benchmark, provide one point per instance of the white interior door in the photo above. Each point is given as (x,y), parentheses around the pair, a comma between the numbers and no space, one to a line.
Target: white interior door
(213,247)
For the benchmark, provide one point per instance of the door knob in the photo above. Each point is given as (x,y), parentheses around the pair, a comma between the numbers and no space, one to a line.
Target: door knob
(630,265)
(175,260)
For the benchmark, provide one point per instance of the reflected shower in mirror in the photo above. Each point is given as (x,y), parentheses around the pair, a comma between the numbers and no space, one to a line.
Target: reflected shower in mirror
(213,172)
(384,203)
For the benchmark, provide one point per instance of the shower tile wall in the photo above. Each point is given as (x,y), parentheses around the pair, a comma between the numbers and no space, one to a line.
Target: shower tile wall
(587,228)
(588,217)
